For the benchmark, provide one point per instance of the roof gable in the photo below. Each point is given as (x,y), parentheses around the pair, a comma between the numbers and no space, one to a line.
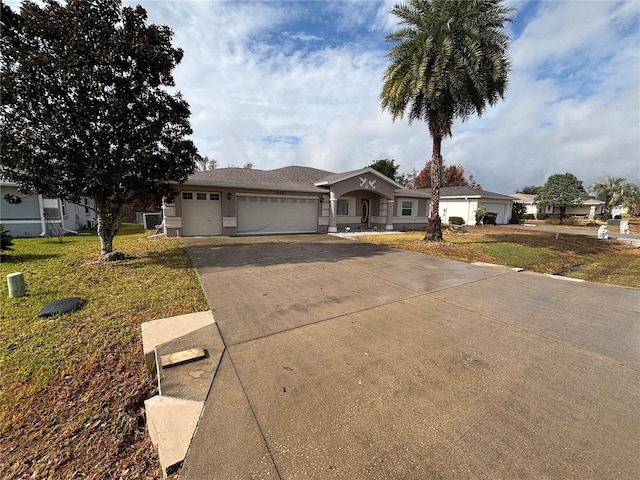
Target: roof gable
(340,177)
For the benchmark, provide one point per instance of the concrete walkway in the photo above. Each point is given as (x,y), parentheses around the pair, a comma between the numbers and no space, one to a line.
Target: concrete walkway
(351,360)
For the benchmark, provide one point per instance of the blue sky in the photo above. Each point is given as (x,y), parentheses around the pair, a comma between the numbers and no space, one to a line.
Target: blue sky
(278,83)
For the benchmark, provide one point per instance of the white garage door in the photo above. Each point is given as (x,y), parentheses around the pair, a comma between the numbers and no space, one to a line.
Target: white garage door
(263,214)
(501,210)
(201,214)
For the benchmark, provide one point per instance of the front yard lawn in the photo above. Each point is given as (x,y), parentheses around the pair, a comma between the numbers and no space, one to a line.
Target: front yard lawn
(575,256)
(72,386)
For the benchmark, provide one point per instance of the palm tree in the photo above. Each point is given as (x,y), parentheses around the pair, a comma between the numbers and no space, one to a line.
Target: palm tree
(614,191)
(449,60)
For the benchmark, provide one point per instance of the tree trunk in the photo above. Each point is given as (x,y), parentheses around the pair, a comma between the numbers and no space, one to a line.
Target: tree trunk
(109,220)
(434,225)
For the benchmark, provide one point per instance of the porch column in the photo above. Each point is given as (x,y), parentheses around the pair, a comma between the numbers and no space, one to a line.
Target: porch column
(390,210)
(333,204)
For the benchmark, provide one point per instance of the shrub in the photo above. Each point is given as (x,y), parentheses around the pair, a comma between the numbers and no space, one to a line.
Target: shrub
(528,216)
(542,216)
(518,211)
(5,239)
(456,221)
(490,218)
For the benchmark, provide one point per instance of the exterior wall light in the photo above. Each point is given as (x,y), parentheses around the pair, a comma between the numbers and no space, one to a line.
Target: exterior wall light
(229,196)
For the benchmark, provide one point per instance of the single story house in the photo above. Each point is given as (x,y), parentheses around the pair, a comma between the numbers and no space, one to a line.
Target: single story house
(239,201)
(464,201)
(37,216)
(590,208)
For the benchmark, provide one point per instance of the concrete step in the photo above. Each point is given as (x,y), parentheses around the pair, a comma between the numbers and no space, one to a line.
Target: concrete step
(173,414)
(171,423)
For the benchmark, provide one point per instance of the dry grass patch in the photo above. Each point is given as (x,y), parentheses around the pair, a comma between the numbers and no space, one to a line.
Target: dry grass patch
(72,386)
(575,256)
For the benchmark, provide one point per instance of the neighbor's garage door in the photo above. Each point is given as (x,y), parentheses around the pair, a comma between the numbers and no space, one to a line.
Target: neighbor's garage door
(201,214)
(260,214)
(500,209)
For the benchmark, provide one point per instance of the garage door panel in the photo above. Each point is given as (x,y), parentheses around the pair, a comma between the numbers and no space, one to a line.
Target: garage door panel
(500,209)
(201,214)
(264,215)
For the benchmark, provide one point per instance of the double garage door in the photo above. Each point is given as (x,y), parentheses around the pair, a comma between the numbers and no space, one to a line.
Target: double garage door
(255,214)
(276,214)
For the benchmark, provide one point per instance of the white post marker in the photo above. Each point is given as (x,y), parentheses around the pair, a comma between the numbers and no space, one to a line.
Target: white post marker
(624,227)
(602,232)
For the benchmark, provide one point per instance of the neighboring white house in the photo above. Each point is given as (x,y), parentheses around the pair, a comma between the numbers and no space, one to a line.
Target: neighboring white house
(36,215)
(238,201)
(464,201)
(590,208)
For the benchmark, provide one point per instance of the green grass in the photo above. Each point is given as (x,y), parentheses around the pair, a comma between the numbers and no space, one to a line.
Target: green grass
(64,372)
(602,262)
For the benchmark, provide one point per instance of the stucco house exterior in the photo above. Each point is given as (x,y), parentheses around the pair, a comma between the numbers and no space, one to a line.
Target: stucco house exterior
(238,201)
(37,215)
(464,201)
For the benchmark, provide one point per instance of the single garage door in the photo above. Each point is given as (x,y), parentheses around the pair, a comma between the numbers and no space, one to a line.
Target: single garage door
(265,214)
(201,214)
(501,210)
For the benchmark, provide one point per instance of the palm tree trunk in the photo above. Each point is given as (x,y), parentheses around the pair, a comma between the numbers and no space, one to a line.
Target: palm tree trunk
(434,225)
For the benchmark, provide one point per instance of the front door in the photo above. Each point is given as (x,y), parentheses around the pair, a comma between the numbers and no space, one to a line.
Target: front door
(365,212)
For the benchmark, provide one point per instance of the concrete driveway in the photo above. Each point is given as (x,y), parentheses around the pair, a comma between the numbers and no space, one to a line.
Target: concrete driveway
(350,360)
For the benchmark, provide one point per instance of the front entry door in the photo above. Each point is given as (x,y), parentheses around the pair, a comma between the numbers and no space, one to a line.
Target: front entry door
(365,212)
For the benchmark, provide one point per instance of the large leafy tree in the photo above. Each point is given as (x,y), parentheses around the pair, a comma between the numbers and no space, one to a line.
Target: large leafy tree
(562,190)
(614,191)
(387,167)
(451,176)
(449,60)
(86,106)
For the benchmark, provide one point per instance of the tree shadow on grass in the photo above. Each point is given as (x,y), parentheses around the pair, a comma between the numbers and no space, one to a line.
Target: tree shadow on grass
(25,257)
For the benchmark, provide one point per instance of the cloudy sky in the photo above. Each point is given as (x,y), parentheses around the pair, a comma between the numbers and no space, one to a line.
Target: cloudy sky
(278,83)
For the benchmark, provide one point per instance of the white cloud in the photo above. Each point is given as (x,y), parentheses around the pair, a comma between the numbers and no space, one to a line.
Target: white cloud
(279,83)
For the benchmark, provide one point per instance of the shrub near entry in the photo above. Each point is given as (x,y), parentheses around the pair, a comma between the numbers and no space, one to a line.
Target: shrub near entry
(456,221)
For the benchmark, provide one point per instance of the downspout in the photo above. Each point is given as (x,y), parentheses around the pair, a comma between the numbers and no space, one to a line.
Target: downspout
(62,219)
(43,224)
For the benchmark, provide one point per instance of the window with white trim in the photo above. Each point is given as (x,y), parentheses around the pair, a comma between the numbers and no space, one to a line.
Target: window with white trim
(187,196)
(343,206)
(85,200)
(407,208)
(201,196)
(64,208)
(214,196)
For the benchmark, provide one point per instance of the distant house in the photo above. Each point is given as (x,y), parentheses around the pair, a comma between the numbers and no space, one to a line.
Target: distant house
(529,202)
(590,208)
(464,201)
(37,215)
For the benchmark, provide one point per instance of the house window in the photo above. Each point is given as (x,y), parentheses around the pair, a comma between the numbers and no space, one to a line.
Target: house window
(85,201)
(214,196)
(201,196)
(343,206)
(64,208)
(187,196)
(407,208)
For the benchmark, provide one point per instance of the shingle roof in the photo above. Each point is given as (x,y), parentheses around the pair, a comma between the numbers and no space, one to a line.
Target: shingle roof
(286,178)
(472,192)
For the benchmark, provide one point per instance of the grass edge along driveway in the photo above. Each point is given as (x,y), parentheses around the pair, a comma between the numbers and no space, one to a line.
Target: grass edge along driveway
(575,256)
(72,387)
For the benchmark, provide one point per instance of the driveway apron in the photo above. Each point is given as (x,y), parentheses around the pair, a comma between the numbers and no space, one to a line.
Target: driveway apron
(351,360)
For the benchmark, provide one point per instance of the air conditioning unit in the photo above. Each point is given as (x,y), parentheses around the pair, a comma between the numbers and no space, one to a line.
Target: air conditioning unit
(150,220)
